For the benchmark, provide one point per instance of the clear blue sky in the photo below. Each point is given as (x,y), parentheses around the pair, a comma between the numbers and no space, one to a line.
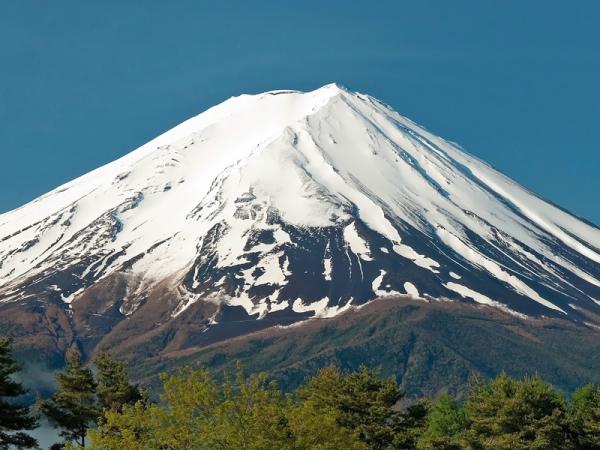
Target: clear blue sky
(514,82)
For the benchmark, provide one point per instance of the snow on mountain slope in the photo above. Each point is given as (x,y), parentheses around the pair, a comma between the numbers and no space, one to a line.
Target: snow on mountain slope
(302,203)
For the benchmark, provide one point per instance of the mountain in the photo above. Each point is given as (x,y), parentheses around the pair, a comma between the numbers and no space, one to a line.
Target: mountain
(270,209)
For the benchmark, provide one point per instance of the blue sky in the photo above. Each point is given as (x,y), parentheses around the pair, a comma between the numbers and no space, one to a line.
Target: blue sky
(514,82)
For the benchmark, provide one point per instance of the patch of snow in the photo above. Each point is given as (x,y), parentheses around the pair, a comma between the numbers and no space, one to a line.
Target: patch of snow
(411,289)
(279,306)
(327,269)
(320,308)
(357,244)
(376,287)
(187,300)
(466,292)
(316,307)
(195,282)
(69,298)
(420,260)
(273,272)
(286,267)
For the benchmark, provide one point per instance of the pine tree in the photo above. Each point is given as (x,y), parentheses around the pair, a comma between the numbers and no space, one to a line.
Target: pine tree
(508,414)
(250,415)
(316,426)
(13,417)
(584,417)
(446,423)
(74,406)
(364,403)
(114,389)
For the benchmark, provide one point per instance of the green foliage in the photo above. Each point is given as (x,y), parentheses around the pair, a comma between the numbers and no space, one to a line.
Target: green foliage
(251,414)
(13,417)
(446,423)
(411,424)
(314,426)
(114,389)
(517,414)
(584,417)
(74,407)
(363,403)
(198,413)
(355,411)
(80,400)
(332,411)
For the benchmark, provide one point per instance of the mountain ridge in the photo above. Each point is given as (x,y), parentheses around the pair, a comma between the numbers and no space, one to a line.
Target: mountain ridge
(279,207)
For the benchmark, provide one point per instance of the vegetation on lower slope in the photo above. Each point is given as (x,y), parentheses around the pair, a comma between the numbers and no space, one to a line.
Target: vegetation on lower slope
(430,348)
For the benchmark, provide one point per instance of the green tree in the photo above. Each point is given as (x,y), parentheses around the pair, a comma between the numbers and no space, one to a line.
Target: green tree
(114,389)
(512,414)
(251,414)
(446,423)
(363,403)
(584,417)
(74,406)
(411,424)
(198,413)
(135,427)
(315,425)
(13,417)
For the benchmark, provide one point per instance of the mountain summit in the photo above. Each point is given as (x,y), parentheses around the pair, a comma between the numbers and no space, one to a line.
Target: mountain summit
(281,206)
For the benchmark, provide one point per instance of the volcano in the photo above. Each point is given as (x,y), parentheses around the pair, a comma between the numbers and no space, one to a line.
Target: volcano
(271,209)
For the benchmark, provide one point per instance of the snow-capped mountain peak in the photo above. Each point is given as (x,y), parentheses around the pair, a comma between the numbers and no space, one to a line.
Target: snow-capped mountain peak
(301,204)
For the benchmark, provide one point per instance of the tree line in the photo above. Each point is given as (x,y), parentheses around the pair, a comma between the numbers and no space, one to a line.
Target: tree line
(332,410)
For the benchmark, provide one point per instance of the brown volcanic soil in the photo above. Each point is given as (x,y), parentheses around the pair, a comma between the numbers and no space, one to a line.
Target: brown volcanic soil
(42,330)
